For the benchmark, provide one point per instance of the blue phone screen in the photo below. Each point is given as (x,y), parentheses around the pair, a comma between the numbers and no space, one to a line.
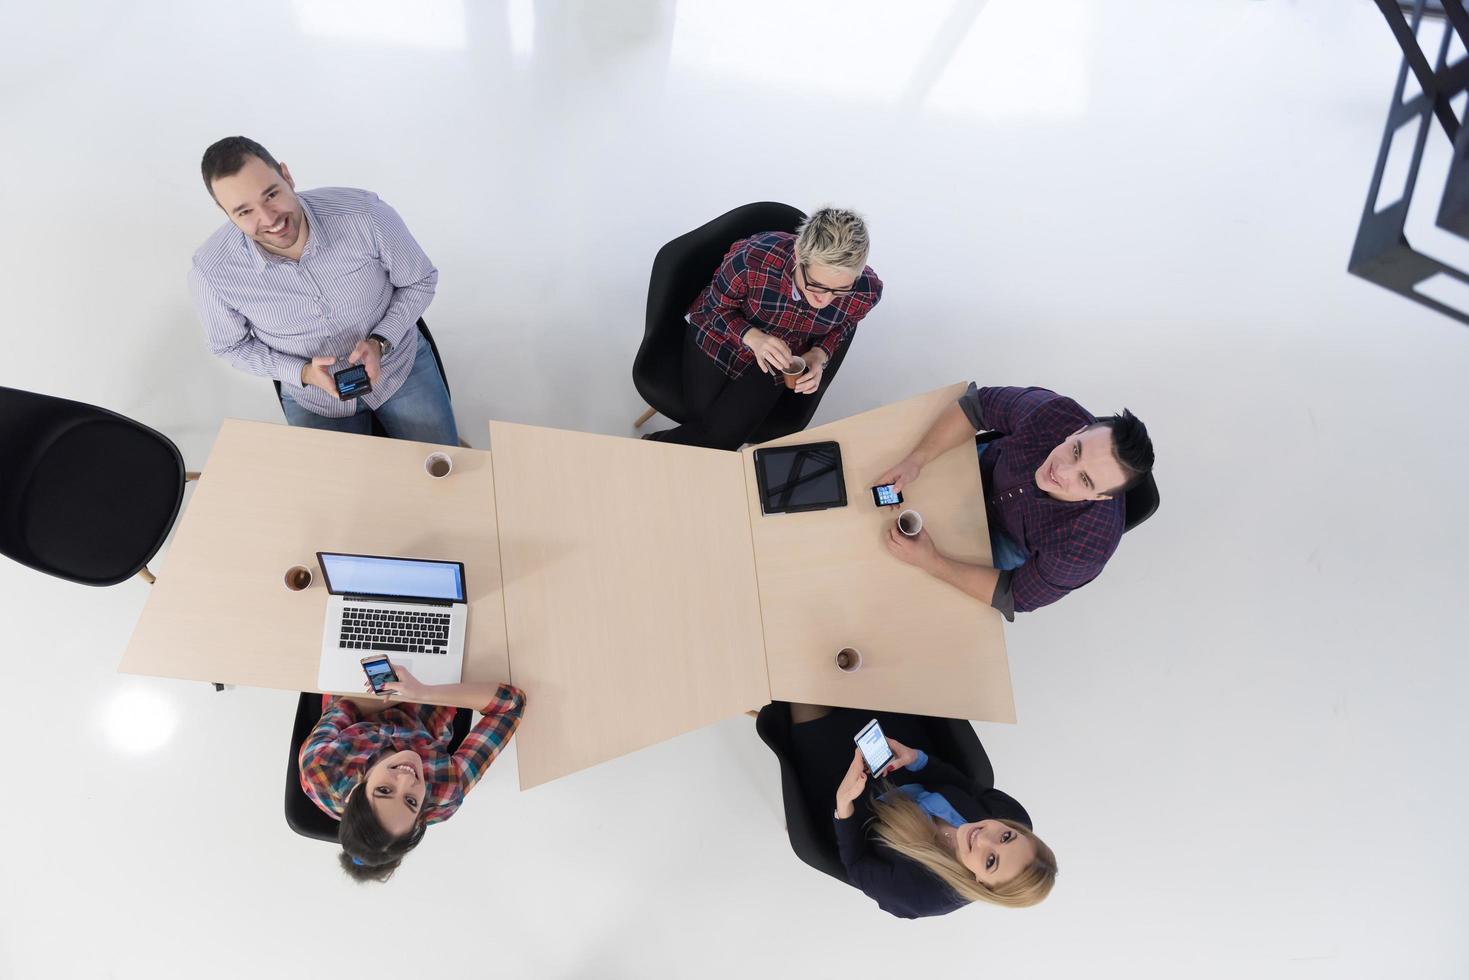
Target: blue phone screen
(887,495)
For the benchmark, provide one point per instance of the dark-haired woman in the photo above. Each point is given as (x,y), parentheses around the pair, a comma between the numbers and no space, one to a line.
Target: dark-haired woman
(382,768)
(925,839)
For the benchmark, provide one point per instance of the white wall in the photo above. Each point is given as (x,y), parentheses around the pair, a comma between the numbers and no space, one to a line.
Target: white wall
(1245,741)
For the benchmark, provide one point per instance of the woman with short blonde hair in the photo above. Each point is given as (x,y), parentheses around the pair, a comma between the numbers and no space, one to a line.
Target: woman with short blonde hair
(779,303)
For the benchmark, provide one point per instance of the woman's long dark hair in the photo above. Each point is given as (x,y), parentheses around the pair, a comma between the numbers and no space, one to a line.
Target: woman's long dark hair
(370,853)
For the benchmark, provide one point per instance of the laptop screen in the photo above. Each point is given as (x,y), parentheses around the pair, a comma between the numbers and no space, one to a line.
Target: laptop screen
(413,578)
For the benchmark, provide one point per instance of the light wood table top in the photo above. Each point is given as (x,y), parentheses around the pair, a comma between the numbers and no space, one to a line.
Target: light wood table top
(632,611)
(827,580)
(270,497)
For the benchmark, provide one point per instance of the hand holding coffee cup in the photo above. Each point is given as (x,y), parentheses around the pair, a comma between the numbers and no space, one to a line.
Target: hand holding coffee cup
(910,522)
(793,370)
(916,550)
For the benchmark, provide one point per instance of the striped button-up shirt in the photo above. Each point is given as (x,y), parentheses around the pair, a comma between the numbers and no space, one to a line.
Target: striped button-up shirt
(756,287)
(360,273)
(343,747)
(1068,541)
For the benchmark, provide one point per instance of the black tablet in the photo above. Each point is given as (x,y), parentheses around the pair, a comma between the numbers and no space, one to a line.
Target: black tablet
(797,478)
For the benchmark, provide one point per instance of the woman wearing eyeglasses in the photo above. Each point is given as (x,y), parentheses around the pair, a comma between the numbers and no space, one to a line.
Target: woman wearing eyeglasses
(776,296)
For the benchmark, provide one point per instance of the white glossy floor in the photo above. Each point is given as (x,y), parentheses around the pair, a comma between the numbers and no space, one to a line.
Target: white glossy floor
(1245,742)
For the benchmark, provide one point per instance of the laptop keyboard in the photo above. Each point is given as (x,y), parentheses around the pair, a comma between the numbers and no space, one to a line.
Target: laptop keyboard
(394,632)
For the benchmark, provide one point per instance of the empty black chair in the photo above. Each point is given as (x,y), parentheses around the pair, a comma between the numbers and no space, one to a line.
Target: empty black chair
(377,428)
(304,816)
(86,494)
(811,836)
(681,270)
(1140,502)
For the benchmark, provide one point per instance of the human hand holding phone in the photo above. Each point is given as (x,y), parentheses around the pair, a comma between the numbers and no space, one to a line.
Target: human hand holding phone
(902,755)
(900,475)
(407,687)
(317,372)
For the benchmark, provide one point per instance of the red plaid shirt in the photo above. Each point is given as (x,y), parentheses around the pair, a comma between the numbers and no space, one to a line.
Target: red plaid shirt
(1068,541)
(344,745)
(756,287)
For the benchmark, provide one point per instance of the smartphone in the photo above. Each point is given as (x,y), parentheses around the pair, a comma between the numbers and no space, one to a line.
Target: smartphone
(379,672)
(886,496)
(352,381)
(874,748)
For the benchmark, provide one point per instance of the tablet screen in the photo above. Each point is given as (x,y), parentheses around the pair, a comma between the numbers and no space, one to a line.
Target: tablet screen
(796,478)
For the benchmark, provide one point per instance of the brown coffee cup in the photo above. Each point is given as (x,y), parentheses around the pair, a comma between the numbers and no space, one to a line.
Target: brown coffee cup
(849,659)
(793,370)
(297,577)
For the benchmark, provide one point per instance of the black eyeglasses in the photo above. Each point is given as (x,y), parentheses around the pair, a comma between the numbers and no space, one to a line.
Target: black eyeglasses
(821,290)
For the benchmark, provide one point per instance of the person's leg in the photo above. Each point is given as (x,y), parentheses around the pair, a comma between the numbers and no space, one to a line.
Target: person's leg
(359,423)
(802,713)
(723,411)
(420,410)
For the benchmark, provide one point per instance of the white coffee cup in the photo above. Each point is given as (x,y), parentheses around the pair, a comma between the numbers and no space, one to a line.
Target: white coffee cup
(910,522)
(848,659)
(438,465)
(298,577)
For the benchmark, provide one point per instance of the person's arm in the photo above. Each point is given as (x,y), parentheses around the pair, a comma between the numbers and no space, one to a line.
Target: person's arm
(413,276)
(318,758)
(978,581)
(480,748)
(228,333)
(950,429)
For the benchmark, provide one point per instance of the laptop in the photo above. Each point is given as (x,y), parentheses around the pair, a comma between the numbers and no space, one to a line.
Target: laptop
(410,610)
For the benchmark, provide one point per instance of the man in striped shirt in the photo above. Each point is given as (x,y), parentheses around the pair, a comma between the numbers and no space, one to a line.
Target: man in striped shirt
(299,286)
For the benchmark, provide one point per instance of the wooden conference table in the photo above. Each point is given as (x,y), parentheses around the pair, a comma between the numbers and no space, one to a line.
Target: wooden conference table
(633,589)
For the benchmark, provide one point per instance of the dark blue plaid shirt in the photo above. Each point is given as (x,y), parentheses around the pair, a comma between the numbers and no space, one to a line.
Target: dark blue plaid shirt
(1068,542)
(756,287)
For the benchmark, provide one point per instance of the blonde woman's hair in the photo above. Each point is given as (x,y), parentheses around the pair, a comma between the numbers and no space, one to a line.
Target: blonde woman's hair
(833,237)
(904,827)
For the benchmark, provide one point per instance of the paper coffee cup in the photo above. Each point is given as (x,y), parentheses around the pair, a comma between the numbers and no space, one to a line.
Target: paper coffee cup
(793,370)
(438,465)
(910,522)
(297,577)
(849,659)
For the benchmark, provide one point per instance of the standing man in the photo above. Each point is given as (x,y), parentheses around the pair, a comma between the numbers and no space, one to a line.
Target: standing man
(298,286)
(1054,486)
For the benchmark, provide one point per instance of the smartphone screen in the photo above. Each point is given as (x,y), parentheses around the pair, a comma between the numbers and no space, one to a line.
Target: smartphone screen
(379,672)
(874,747)
(352,381)
(886,496)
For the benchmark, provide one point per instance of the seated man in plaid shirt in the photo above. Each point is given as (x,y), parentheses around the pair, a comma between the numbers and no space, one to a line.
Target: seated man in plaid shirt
(1053,485)
(775,295)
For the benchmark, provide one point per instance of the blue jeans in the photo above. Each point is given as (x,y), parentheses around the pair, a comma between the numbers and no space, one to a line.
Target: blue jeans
(419,411)
(1005,552)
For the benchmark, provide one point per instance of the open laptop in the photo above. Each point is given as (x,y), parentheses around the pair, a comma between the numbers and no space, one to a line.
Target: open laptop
(411,610)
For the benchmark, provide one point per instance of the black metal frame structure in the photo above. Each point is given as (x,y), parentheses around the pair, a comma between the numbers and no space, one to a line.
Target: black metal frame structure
(1381,253)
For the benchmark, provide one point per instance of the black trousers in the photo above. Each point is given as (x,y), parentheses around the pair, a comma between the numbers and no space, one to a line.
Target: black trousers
(724,412)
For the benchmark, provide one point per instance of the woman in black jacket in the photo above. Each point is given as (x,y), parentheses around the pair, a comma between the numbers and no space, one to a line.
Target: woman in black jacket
(924,839)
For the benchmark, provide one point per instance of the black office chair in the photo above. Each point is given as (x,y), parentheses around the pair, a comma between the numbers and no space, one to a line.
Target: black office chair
(950,739)
(681,270)
(377,428)
(304,816)
(1140,503)
(86,495)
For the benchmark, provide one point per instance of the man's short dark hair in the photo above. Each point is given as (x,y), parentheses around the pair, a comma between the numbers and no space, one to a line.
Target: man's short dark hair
(227,158)
(1131,447)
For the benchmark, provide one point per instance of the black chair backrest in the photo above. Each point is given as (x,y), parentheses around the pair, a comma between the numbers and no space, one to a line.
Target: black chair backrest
(304,816)
(681,270)
(86,495)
